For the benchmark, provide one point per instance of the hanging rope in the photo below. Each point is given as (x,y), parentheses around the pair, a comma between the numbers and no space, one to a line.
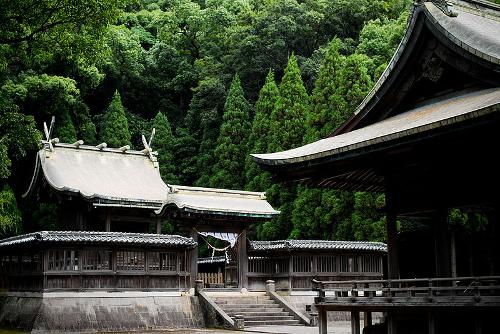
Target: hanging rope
(216,249)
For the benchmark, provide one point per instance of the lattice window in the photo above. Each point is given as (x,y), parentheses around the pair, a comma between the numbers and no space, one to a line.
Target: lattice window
(130,260)
(63,260)
(370,264)
(302,264)
(96,259)
(162,261)
(327,264)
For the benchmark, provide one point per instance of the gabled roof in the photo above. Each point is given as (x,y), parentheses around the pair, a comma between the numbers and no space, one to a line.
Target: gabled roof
(125,178)
(104,176)
(98,238)
(304,245)
(223,202)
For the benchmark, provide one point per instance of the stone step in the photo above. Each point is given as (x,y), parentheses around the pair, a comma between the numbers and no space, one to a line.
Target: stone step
(254,310)
(244,306)
(257,314)
(244,301)
(272,323)
(267,318)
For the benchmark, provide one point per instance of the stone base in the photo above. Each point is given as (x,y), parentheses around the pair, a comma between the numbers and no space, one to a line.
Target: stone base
(99,311)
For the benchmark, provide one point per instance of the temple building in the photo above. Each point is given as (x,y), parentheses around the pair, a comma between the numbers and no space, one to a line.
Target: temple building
(111,204)
(425,136)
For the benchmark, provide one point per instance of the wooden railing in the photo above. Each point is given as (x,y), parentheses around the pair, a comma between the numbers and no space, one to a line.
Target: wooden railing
(455,291)
(211,278)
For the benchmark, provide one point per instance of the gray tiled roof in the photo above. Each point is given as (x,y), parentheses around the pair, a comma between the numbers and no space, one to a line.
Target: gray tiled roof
(99,238)
(218,201)
(424,119)
(111,177)
(105,177)
(289,245)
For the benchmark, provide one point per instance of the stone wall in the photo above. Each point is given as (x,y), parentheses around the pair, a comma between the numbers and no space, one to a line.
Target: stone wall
(99,311)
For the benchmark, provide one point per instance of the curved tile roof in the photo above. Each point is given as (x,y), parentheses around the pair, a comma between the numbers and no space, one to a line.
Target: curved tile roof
(103,176)
(112,177)
(219,201)
(289,245)
(422,119)
(99,238)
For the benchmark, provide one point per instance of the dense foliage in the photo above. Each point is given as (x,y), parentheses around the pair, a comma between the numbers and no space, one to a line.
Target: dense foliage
(217,79)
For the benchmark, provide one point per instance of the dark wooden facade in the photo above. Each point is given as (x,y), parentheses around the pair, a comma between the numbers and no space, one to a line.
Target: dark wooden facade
(293,264)
(47,261)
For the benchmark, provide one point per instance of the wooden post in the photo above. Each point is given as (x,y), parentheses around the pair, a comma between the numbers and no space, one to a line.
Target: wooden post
(194,259)
(242,260)
(392,246)
(441,244)
(355,322)
(432,323)
(323,321)
(158,226)
(367,319)
(391,324)
(108,222)
(453,254)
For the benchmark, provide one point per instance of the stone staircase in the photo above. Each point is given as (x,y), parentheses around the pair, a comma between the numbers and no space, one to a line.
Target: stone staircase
(258,310)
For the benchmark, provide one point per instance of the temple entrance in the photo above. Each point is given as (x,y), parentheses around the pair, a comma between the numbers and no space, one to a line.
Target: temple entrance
(218,260)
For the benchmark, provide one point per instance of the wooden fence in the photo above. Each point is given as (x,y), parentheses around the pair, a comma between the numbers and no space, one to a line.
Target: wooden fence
(211,278)
(295,271)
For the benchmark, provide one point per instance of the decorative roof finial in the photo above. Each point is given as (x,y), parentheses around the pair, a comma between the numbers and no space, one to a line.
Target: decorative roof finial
(445,7)
(48,133)
(147,146)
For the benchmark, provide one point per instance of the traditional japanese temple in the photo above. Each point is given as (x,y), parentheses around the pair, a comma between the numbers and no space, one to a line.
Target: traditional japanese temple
(425,136)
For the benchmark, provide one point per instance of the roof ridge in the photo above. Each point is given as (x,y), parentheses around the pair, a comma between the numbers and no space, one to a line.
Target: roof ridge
(177,188)
(97,149)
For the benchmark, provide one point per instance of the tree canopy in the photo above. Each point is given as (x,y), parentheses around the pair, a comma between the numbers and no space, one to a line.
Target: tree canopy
(205,74)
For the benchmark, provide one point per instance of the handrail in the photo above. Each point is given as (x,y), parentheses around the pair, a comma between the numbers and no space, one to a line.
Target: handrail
(410,280)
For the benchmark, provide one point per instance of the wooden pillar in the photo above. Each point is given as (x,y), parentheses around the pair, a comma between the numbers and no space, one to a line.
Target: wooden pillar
(432,323)
(392,246)
(242,260)
(323,321)
(367,319)
(158,226)
(355,322)
(107,227)
(441,244)
(194,259)
(391,324)
(453,254)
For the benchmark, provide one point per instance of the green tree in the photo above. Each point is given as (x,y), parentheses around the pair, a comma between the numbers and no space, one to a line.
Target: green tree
(287,123)
(326,101)
(64,129)
(10,216)
(257,179)
(114,127)
(164,143)
(232,143)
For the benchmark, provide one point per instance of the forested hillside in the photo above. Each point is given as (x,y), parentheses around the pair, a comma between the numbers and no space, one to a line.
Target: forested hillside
(218,79)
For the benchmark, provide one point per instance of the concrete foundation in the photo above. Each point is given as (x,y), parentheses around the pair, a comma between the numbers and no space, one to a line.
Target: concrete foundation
(99,311)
